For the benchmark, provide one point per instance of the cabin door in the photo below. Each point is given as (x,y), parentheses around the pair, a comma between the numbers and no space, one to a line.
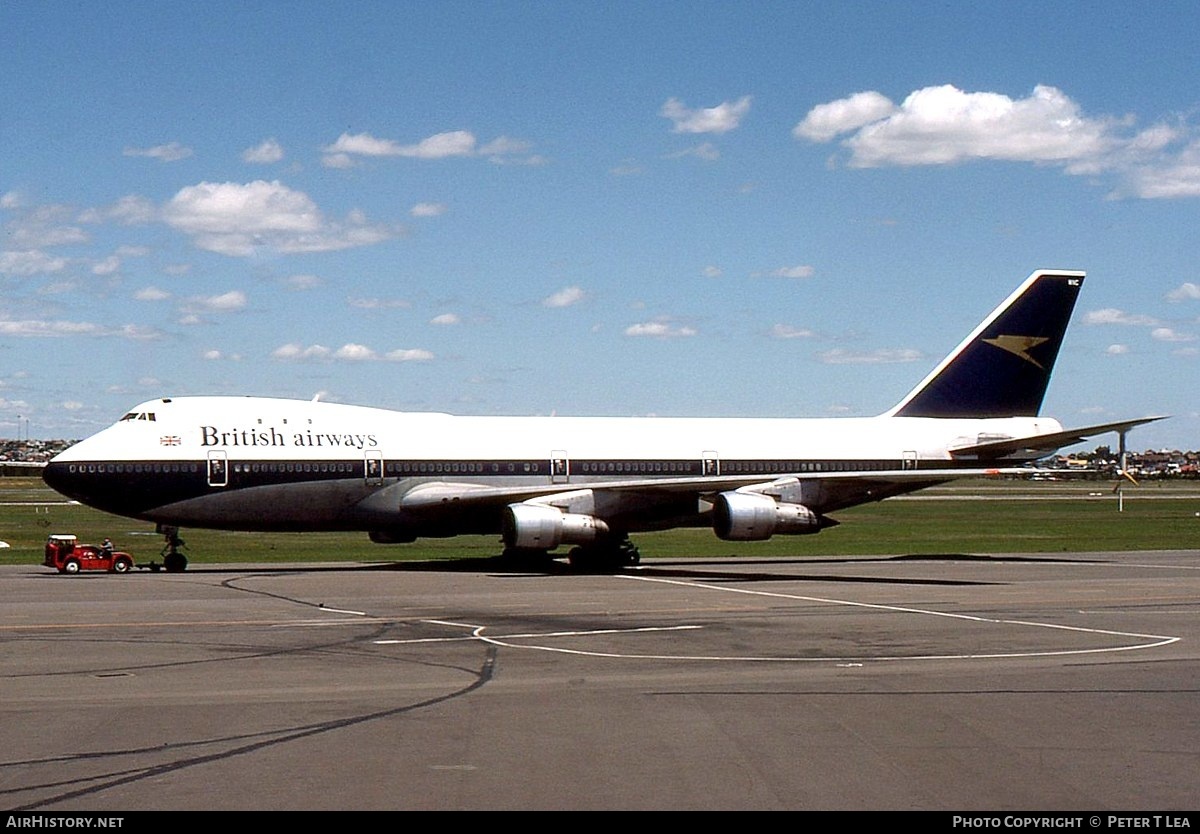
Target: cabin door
(218,468)
(560,467)
(373,467)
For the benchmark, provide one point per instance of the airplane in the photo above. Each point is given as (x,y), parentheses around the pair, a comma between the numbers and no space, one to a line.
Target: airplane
(266,464)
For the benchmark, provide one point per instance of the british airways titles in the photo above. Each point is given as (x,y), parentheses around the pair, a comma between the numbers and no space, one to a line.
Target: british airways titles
(212,436)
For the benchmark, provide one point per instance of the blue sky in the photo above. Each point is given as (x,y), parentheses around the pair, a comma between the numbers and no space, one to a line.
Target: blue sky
(620,208)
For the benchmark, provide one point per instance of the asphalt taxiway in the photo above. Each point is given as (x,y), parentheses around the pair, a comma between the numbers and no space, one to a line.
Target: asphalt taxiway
(954,682)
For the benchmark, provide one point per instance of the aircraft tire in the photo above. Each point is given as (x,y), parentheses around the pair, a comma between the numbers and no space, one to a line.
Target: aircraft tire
(175,562)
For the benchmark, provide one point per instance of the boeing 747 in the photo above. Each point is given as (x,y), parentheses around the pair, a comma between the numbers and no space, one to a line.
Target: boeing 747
(250,463)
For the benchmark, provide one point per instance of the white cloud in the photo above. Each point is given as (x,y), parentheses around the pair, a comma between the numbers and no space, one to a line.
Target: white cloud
(30,262)
(228,302)
(302,282)
(438,146)
(446,319)
(706,151)
(37,227)
(40,328)
(256,208)
(1117,350)
(240,220)
(945,125)
(720,119)
(839,356)
(712,272)
(941,125)
(41,227)
(530,161)
(427,209)
(454,143)
(378,303)
(826,121)
(1166,334)
(505,146)
(347,353)
(214,355)
(151,294)
(107,266)
(58,287)
(660,328)
(564,297)
(130,210)
(266,152)
(1167,176)
(786,331)
(802,271)
(409,355)
(354,353)
(1185,292)
(170,152)
(297,352)
(1111,315)
(133,210)
(113,262)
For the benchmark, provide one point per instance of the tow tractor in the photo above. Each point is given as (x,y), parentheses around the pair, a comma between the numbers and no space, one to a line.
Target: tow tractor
(66,555)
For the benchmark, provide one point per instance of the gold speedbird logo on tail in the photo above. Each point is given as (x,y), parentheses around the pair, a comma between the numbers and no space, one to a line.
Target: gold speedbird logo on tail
(1019,346)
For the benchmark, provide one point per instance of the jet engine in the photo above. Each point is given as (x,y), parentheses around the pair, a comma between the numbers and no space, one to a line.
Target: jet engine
(752,516)
(539,527)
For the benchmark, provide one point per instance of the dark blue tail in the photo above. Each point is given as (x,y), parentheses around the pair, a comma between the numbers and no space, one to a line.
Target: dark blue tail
(1002,369)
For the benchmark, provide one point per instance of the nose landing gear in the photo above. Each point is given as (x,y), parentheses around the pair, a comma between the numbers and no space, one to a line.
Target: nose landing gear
(173,559)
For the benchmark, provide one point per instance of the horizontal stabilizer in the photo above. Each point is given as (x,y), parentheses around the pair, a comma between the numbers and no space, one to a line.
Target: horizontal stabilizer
(1046,442)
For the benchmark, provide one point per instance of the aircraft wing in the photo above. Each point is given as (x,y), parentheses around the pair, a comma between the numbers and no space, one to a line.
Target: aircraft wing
(820,491)
(1046,442)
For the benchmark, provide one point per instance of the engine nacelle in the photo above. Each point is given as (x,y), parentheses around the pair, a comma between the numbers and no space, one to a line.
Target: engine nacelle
(751,516)
(538,527)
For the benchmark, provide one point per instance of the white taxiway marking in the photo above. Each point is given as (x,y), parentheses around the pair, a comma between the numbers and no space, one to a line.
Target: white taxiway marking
(478,633)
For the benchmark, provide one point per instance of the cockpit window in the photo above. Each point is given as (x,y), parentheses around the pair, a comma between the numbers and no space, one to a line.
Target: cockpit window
(138,415)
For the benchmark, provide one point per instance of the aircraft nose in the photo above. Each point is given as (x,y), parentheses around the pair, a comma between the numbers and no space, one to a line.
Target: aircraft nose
(59,478)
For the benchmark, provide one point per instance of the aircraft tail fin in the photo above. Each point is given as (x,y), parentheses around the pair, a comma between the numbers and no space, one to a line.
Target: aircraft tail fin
(1003,368)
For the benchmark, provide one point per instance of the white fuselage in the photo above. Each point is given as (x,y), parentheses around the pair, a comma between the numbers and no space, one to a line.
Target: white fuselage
(260,429)
(268,464)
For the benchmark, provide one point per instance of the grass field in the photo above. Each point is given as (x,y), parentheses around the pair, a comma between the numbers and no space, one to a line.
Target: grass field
(968,517)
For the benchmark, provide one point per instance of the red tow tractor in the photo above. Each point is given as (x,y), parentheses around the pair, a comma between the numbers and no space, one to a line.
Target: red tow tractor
(66,555)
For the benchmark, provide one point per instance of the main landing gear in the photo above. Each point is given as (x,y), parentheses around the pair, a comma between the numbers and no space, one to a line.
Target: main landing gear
(606,556)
